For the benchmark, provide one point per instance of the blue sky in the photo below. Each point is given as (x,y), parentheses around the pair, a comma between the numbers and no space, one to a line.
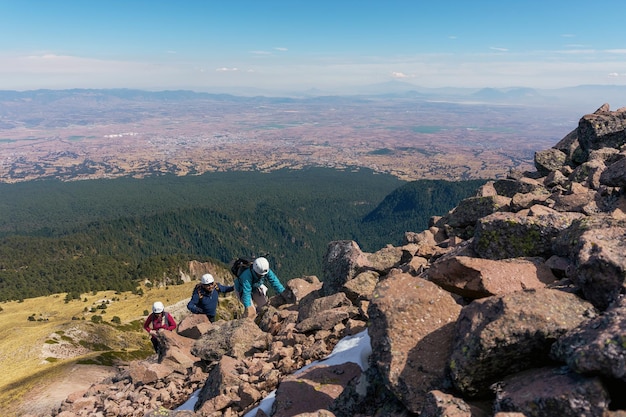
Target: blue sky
(205,45)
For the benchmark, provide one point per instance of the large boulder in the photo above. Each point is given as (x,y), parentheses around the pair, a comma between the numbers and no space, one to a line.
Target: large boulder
(501,335)
(597,346)
(411,324)
(477,278)
(597,244)
(514,235)
(469,211)
(362,286)
(301,287)
(177,351)
(576,198)
(521,201)
(615,174)
(509,187)
(570,146)
(314,306)
(313,389)
(235,338)
(385,259)
(441,404)
(589,174)
(552,392)
(342,262)
(146,372)
(221,388)
(193,326)
(602,129)
(549,160)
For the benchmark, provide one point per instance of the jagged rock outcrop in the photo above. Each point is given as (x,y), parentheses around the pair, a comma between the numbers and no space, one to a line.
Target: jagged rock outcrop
(512,304)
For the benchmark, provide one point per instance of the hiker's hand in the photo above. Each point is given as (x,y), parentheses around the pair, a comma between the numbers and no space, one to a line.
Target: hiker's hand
(280,299)
(153,332)
(288,296)
(250,313)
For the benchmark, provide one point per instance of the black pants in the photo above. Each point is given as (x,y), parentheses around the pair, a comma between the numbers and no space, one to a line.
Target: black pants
(155,344)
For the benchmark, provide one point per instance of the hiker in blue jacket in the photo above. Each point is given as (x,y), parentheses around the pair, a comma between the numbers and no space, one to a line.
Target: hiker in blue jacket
(205,296)
(250,286)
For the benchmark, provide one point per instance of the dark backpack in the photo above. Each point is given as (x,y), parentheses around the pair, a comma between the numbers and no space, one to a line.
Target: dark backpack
(240,265)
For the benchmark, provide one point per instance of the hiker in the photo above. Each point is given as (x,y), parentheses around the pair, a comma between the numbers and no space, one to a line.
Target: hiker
(250,286)
(157,320)
(205,296)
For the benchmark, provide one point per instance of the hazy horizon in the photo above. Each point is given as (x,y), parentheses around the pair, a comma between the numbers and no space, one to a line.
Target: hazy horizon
(283,46)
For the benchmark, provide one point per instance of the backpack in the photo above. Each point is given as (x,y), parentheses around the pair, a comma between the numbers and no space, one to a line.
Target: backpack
(240,265)
(164,319)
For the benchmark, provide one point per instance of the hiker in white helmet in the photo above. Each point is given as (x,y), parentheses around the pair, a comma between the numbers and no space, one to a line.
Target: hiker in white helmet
(206,295)
(251,289)
(157,321)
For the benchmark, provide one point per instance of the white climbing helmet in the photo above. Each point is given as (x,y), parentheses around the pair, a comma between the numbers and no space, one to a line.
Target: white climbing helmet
(207,279)
(261,266)
(157,307)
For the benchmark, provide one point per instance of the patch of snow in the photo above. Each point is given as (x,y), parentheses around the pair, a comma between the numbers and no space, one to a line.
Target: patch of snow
(356,349)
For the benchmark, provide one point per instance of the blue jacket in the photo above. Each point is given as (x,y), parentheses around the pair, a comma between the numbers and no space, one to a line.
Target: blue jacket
(249,281)
(204,301)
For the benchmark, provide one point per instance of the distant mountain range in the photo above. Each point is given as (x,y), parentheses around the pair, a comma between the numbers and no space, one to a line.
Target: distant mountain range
(581,98)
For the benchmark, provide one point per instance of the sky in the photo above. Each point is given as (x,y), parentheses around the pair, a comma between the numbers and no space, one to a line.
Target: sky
(211,45)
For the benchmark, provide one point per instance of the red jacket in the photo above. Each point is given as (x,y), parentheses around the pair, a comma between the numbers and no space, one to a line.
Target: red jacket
(159,321)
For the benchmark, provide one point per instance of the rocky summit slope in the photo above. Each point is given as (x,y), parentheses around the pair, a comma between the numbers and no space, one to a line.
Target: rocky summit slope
(509,305)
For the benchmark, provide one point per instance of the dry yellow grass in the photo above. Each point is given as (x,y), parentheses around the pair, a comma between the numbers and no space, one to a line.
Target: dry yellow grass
(22,341)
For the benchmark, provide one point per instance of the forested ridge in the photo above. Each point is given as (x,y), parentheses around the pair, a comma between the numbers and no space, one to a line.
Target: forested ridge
(85,236)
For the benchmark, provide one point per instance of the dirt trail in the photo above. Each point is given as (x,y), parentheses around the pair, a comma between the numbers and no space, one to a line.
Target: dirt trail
(49,394)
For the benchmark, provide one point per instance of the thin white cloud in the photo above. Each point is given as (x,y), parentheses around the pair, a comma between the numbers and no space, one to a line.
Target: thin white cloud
(495,48)
(48,56)
(281,49)
(48,63)
(451,37)
(568,35)
(578,52)
(396,74)
(547,69)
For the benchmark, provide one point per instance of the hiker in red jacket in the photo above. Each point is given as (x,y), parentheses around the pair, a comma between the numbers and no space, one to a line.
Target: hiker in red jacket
(157,320)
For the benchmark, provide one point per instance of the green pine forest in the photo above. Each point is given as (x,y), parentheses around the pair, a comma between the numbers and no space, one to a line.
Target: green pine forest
(85,236)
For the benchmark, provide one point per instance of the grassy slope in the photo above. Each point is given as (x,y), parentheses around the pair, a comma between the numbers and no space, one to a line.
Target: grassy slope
(21,341)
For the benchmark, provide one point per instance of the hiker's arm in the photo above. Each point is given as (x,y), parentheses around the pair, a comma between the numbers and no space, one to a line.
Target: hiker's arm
(250,312)
(193,303)
(171,324)
(146,324)
(275,282)
(246,290)
(225,288)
